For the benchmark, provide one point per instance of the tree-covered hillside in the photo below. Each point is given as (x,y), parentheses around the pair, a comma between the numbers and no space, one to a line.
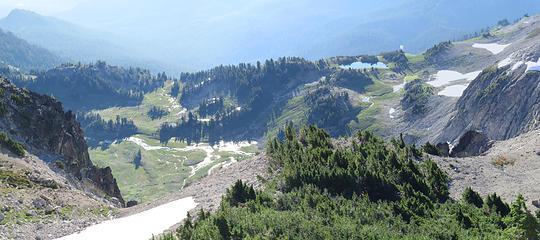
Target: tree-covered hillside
(223,101)
(83,87)
(366,189)
(21,54)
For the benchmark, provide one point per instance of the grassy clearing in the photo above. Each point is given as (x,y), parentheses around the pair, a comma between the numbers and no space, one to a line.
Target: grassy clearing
(378,88)
(373,118)
(161,171)
(138,114)
(295,110)
(415,59)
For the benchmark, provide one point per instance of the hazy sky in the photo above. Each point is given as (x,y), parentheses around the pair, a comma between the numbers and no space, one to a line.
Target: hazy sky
(45,7)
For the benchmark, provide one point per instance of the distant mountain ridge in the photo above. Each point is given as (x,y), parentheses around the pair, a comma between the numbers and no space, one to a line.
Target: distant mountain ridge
(207,33)
(19,53)
(72,42)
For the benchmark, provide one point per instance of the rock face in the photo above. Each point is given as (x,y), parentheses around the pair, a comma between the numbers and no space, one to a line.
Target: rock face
(500,102)
(472,143)
(131,203)
(41,123)
(444,148)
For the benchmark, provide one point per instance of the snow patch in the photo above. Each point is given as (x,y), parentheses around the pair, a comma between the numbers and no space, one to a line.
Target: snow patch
(494,48)
(504,62)
(143,144)
(533,66)
(391,112)
(139,226)
(517,65)
(453,91)
(209,150)
(399,86)
(445,77)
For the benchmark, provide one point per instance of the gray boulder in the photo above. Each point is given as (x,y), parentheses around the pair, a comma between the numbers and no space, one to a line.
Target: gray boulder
(472,143)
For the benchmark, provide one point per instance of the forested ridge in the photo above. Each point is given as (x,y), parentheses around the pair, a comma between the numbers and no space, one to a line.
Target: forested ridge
(83,87)
(231,98)
(366,189)
(235,96)
(97,129)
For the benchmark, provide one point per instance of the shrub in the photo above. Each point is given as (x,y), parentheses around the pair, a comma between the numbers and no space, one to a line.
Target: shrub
(18,99)
(15,179)
(12,145)
(502,161)
(472,197)
(60,164)
(431,149)
(495,203)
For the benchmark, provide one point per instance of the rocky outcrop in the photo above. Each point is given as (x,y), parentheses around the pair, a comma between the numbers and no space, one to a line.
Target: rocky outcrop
(472,143)
(444,148)
(41,123)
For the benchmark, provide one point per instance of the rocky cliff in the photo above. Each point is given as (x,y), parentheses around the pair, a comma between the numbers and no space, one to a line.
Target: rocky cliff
(502,102)
(40,122)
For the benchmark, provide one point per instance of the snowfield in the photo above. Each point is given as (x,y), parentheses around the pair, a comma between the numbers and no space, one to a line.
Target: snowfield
(453,91)
(533,66)
(505,62)
(210,156)
(139,226)
(445,77)
(494,48)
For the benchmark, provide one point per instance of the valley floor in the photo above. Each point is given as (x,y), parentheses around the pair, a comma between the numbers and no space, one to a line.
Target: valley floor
(205,193)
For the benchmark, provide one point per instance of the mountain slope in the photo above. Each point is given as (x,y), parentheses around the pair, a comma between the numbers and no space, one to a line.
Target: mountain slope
(18,53)
(70,41)
(504,100)
(93,86)
(45,169)
(248,31)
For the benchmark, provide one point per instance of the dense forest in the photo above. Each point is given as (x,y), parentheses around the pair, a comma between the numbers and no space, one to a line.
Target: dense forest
(97,129)
(365,189)
(330,111)
(234,97)
(231,98)
(94,86)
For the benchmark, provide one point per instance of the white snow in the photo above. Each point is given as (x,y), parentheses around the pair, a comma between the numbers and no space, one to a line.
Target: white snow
(445,77)
(391,111)
(453,91)
(504,62)
(533,66)
(210,157)
(366,99)
(517,65)
(143,144)
(494,48)
(399,86)
(139,226)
